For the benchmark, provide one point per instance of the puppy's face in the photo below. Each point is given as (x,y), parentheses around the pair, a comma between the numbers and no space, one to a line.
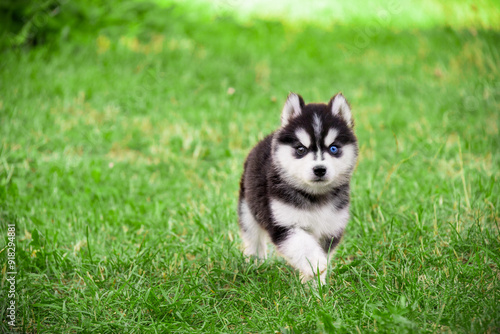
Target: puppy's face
(315,149)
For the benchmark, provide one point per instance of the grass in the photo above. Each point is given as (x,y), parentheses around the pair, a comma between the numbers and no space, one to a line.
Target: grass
(120,161)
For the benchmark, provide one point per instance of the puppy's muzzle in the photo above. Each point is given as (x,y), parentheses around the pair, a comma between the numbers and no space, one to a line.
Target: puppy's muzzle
(319,171)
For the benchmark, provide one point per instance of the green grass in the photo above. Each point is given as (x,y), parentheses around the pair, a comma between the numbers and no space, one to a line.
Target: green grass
(400,13)
(120,161)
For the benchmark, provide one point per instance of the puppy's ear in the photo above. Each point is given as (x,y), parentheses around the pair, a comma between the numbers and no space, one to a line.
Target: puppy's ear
(292,108)
(340,107)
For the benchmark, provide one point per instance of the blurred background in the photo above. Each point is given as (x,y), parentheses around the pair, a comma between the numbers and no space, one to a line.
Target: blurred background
(199,82)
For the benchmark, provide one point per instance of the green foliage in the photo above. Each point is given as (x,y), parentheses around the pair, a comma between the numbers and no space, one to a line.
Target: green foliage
(34,22)
(121,152)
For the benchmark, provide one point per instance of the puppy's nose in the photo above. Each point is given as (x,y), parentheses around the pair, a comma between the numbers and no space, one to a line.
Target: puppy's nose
(319,171)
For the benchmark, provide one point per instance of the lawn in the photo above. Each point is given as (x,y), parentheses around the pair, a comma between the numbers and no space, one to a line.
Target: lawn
(121,149)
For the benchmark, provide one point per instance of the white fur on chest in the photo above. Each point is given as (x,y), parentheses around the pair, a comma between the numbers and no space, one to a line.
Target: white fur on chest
(324,220)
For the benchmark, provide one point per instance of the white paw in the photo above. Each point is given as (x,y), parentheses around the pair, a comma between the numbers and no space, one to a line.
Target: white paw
(259,252)
(310,270)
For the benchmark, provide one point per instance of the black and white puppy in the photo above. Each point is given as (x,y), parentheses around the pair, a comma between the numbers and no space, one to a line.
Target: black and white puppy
(295,185)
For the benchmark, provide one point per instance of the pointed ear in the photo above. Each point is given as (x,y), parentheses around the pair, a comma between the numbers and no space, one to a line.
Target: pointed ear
(292,108)
(340,107)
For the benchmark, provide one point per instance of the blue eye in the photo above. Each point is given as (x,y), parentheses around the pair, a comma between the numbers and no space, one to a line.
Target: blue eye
(334,149)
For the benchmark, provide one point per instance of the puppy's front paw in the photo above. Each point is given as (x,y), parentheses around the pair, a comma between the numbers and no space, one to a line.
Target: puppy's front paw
(312,271)
(313,279)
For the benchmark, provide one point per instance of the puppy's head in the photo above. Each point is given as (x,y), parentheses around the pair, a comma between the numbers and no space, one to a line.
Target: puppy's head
(315,150)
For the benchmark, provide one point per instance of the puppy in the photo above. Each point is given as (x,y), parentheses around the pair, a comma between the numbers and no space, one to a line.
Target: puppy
(294,190)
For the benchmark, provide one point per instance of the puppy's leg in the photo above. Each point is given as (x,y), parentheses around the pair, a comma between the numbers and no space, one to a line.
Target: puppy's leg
(254,237)
(304,253)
